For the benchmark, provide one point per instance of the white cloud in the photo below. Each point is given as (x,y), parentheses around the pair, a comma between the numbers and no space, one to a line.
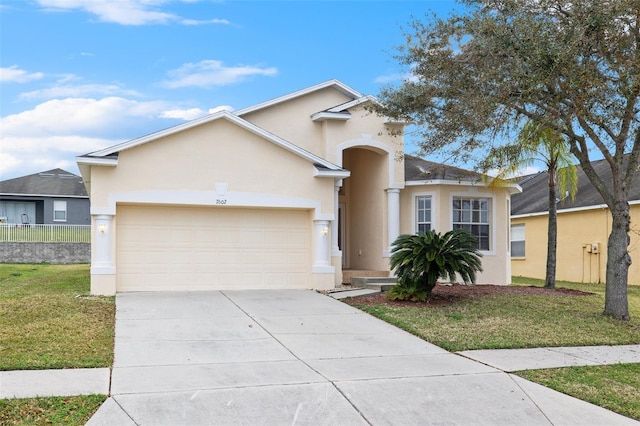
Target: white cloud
(183,114)
(56,131)
(42,146)
(205,22)
(25,155)
(9,163)
(209,72)
(78,91)
(79,116)
(127,12)
(65,78)
(13,74)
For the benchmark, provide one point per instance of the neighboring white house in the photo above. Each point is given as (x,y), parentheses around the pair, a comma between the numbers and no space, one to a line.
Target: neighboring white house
(302,191)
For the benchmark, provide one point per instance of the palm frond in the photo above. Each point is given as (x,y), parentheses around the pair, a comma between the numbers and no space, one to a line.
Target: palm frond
(420,260)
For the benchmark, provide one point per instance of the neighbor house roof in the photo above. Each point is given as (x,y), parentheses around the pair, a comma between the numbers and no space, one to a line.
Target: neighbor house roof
(53,183)
(535,192)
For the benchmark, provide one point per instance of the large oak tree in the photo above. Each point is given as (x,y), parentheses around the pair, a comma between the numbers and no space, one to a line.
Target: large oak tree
(478,76)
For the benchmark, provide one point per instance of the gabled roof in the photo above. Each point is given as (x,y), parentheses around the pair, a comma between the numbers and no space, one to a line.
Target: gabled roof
(341,112)
(108,156)
(345,106)
(52,183)
(535,192)
(419,169)
(348,91)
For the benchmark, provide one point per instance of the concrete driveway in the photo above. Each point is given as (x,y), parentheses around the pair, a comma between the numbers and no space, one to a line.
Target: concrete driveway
(278,357)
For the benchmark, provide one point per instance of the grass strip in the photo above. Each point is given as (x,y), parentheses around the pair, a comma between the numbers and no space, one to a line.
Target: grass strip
(68,410)
(614,387)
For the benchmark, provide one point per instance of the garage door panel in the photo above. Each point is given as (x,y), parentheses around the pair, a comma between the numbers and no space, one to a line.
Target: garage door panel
(252,237)
(296,258)
(211,248)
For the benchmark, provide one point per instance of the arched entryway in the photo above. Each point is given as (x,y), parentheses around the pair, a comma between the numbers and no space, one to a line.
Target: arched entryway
(363,227)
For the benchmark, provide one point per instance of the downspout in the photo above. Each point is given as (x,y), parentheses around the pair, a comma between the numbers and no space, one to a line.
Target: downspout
(584,250)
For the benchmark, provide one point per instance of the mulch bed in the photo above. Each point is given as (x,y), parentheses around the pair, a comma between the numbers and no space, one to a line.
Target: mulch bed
(447,294)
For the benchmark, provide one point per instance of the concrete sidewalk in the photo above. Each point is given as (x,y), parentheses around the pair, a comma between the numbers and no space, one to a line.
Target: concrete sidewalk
(299,357)
(68,382)
(533,359)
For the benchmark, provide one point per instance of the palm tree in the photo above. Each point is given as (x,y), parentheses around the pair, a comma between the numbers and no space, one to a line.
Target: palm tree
(420,260)
(537,142)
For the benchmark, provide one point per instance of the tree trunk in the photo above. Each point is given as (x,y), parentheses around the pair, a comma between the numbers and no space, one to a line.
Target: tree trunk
(618,262)
(552,234)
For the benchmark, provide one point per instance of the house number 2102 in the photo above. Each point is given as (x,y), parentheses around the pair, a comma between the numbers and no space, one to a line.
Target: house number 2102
(221,201)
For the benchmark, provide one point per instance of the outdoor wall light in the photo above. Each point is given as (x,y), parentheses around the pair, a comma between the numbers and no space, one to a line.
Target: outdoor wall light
(102,228)
(325,231)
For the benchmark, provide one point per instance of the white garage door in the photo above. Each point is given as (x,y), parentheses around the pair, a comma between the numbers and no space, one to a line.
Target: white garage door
(193,248)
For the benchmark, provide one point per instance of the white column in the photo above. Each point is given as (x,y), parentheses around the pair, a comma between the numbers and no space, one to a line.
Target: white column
(393,216)
(335,250)
(321,246)
(102,232)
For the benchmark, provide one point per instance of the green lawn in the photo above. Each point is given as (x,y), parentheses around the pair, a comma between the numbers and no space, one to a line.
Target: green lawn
(524,321)
(615,387)
(517,321)
(69,411)
(49,321)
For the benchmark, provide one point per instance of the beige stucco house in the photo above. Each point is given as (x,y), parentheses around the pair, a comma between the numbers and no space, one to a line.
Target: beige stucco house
(302,191)
(584,225)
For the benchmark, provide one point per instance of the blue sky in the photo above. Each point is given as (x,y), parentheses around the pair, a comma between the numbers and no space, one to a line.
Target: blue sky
(80,75)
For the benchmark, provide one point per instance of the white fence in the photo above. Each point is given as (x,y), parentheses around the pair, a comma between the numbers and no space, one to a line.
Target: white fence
(36,233)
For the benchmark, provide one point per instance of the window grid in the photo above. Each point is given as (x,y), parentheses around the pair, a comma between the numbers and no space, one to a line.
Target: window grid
(423,214)
(472,215)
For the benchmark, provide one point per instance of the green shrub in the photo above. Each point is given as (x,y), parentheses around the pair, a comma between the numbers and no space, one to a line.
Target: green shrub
(420,260)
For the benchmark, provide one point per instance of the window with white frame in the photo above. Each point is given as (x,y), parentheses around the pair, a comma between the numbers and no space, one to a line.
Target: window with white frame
(59,211)
(472,214)
(423,214)
(517,240)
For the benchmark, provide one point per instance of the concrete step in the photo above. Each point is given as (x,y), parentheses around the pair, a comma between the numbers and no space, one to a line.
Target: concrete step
(353,293)
(376,283)
(348,274)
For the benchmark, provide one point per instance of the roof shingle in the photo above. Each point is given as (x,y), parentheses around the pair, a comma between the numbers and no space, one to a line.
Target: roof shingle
(535,192)
(419,169)
(55,182)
